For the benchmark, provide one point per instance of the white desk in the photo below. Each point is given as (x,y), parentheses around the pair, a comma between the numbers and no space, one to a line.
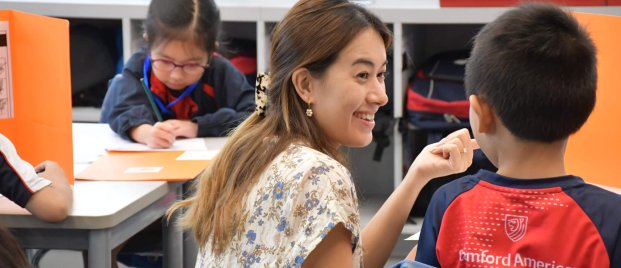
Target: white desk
(105,213)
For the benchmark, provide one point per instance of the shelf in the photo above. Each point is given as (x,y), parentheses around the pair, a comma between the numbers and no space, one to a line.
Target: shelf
(390,11)
(85,114)
(108,9)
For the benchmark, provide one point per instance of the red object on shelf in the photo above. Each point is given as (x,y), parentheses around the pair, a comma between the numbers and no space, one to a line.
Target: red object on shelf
(614,2)
(499,3)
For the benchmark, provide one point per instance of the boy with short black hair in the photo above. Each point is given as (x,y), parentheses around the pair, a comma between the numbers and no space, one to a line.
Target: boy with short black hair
(531,79)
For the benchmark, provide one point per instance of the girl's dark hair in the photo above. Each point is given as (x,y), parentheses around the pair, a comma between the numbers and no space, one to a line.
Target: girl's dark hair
(186,20)
(11,253)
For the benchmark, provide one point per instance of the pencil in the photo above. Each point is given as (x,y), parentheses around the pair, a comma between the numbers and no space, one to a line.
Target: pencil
(151,101)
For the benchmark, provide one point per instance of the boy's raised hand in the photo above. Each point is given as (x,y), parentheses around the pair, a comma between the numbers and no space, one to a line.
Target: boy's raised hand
(451,155)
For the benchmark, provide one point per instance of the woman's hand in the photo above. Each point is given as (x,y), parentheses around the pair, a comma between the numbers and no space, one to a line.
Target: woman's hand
(451,155)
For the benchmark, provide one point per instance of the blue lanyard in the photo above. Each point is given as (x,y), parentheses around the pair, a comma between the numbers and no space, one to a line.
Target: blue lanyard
(164,108)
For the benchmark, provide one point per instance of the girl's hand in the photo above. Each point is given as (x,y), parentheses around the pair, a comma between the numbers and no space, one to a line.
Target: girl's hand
(161,135)
(184,128)
(451,155)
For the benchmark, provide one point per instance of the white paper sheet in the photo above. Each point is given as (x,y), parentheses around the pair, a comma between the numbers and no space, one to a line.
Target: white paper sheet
(116,143)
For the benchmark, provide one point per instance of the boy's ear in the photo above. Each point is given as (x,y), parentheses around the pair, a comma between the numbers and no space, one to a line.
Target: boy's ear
(302,79)
(484,113)
(145,37)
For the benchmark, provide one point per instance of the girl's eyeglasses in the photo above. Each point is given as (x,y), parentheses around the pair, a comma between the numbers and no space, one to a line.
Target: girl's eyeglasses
(169,66)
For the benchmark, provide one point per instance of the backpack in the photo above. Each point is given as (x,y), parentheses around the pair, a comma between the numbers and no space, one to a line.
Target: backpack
(242,53)
(436,98)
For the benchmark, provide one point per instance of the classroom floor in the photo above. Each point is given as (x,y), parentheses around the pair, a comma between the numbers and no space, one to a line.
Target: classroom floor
(64,259)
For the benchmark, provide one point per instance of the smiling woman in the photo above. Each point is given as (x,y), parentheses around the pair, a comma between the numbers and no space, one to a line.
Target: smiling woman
(279,193)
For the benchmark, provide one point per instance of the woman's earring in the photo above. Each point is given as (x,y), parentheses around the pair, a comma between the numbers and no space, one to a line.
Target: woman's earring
(309,111)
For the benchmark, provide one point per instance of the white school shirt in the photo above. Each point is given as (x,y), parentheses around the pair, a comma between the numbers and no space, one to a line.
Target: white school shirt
(18,179)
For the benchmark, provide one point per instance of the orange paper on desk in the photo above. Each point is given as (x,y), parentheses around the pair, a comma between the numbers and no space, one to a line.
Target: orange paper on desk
(142,166)
(593,152)
(40,76)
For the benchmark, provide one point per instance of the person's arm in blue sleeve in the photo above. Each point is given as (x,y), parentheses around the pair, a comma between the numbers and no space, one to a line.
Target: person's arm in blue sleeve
(126,105)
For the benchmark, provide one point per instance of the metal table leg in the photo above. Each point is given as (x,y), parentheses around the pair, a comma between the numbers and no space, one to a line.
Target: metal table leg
(173,240)
(99,249)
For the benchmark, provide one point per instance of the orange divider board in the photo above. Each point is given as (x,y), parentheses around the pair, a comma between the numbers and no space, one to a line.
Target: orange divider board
(143,166)
(593,152)
(41,78)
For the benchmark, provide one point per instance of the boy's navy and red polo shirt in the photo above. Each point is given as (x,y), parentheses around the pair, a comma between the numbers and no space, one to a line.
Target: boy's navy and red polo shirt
(487,220)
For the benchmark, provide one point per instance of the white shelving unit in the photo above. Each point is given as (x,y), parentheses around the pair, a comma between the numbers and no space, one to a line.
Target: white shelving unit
(404,16)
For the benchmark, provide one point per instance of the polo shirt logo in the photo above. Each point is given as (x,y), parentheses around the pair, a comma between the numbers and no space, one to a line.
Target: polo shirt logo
(515,226)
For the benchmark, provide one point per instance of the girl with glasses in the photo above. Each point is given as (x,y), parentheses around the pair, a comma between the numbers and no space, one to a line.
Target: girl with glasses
(177,87)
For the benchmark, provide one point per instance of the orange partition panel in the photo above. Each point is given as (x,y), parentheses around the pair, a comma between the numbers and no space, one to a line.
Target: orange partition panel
(41,126)
(593,152)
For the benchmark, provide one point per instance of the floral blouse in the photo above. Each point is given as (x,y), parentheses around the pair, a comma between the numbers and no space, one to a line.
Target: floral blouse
(300,197)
